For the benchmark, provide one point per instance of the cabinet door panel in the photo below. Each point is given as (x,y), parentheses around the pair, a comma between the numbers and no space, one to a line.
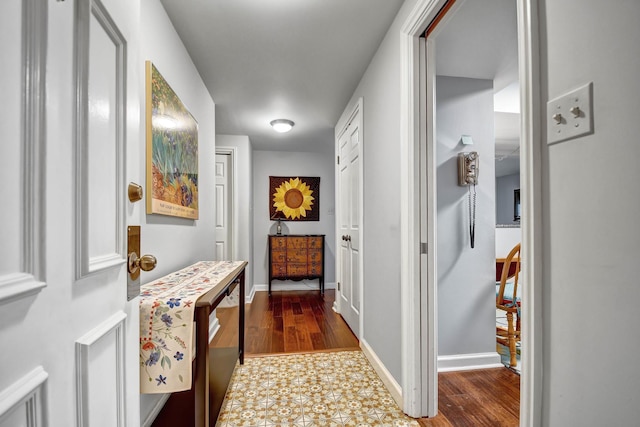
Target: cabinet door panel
(315,256)
(279,270)
(279,256)
(296,242)
(278,242)
(315,269)
(298,256)
(296,270)
(315,242)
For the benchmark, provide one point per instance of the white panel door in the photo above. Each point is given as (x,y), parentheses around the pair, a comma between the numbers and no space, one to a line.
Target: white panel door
(223,206)
(71,90)
(349,222)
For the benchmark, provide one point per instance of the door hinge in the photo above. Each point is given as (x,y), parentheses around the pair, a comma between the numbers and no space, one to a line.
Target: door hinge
(338,286)
(338,159)
(423,248)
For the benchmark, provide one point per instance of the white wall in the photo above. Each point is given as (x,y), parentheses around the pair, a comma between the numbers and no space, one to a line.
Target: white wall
(504,198)
(282,163)
(243,200)
(590,211)
(177,242)
(466,276)
(506,239)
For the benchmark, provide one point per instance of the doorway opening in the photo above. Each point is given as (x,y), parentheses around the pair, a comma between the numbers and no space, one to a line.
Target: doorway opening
(224,204)
(420,154)
(477,109)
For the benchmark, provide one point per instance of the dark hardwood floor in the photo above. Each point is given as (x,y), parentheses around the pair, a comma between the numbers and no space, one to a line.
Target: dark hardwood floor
(485,397)
(289,322)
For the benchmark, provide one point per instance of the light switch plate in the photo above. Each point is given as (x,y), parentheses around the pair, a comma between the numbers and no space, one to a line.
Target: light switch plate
(570,115)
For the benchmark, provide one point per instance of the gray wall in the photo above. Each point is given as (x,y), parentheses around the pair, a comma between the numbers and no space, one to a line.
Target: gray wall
(380,89)
(243,201)
(504,198)
(466,276)
(161,44)
(590,218)
(283,163)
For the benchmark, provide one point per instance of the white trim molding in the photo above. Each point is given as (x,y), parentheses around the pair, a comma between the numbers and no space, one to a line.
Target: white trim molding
(418,400)
(252,294)
(386,377)
(28,393)
(30,279)
(214,326)
(155,411)
(85,263)
(111,329)
(531,140)
(235,219)
(467,362)
(303,285)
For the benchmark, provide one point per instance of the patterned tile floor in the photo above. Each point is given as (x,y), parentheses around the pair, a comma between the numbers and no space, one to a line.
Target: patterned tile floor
(314,389)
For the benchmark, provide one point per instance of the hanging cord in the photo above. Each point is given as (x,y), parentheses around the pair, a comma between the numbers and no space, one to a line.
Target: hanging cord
(472,215)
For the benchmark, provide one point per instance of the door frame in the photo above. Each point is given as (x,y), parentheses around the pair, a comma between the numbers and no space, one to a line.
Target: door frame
(420,399)
(233,217)
(343,124)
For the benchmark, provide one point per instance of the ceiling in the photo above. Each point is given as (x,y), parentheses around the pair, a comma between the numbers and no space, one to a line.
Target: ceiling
(480,41)
(268,59)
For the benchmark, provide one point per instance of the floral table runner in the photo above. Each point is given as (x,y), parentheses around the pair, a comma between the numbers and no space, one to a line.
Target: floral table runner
(167,308)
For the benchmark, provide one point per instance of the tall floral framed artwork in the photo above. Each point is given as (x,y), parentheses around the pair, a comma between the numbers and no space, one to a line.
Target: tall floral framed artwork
(294,198)
(172,150)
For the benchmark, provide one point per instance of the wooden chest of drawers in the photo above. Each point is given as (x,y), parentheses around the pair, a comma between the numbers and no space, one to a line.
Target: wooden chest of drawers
(296,257)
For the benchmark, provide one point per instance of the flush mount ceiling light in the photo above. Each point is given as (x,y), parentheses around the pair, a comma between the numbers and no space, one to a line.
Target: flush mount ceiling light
(282,125)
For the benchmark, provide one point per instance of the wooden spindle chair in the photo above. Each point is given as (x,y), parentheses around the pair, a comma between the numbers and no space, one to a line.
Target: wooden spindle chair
(507,300)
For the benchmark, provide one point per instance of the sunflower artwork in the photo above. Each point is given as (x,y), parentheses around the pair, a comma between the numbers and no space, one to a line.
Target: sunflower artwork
(172,151)
(294,198)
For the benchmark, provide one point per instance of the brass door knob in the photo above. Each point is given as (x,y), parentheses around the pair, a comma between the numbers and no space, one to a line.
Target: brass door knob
(145,263)
(148,262)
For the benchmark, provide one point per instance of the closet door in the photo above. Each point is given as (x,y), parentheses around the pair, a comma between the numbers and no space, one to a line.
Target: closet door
(349,217)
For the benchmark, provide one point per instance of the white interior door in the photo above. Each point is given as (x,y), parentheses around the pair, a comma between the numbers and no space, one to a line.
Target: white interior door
(63,306)
(223,206)
(349,222)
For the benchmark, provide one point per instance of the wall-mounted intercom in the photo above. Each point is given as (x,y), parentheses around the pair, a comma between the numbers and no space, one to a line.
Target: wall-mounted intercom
(468,167)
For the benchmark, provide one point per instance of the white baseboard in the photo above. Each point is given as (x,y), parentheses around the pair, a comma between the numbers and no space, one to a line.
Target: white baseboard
(303,285)
(214,326)
(249,299)
(151,417)
(467,362)
(386,377)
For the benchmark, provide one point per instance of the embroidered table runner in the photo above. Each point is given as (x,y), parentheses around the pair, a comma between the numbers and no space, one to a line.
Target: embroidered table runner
(167,308)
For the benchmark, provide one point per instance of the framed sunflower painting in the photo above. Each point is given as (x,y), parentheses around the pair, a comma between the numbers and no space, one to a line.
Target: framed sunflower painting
(294,198)
(172,151)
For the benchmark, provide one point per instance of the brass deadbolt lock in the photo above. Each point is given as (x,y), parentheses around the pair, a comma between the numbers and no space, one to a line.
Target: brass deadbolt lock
(135,192)
(144,263)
